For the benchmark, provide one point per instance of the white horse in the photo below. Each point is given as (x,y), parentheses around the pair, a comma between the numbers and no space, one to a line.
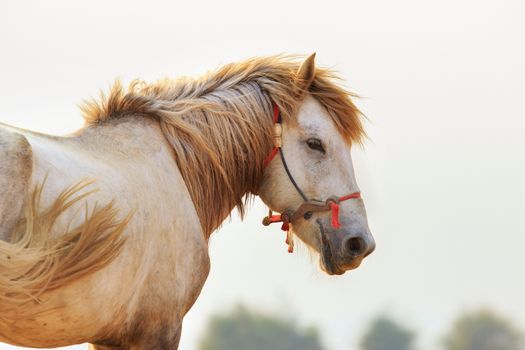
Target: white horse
(104,233)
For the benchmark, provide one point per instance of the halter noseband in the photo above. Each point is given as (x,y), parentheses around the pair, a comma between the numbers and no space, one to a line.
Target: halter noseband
(308,207)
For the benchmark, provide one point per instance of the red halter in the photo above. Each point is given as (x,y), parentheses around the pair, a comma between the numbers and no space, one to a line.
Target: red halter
(308,207)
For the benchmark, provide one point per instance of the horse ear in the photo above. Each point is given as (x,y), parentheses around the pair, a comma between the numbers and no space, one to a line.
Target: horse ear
(306,73)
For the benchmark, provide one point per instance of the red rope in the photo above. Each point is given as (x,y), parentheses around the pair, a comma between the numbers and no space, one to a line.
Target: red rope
(275,112)
(275,150)
(271,156)
(285,227)
(350,196)
(334,206)
(274,218)
(335,215)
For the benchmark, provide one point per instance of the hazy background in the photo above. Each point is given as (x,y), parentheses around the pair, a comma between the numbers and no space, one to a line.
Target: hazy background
(442,175)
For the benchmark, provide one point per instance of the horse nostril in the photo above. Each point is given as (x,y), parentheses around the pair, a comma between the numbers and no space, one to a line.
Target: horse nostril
(355,246)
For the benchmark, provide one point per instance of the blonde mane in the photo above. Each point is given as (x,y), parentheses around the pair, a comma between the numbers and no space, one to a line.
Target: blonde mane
(220,124)
(31,263)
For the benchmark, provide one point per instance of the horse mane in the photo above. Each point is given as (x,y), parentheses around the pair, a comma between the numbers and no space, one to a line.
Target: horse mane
(220,124)
(31,263)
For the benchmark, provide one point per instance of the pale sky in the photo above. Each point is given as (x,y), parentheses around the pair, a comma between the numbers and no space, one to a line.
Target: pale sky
(442,175)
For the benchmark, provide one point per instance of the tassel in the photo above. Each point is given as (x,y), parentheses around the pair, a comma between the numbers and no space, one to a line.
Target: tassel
(289,241)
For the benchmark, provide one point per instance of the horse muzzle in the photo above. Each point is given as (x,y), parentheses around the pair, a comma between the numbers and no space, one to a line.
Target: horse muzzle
(344,248)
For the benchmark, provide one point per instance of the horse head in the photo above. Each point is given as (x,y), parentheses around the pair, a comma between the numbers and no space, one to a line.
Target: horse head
(313,186)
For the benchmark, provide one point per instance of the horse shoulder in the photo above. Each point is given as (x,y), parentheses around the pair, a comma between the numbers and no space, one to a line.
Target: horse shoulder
(15,172)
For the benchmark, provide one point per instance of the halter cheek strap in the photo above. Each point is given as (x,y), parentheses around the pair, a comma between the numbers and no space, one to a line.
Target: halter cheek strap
(308,207)
(277,135)
(277,148)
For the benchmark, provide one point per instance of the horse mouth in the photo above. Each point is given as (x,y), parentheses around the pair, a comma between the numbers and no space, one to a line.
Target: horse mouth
(326,258)
(329,267)
(327,261)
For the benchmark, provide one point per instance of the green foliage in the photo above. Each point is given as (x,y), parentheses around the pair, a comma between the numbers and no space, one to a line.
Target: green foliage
(385,334)
(483,330)
(247,330)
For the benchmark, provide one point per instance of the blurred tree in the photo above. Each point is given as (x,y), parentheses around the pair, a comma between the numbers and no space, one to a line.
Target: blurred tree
(243,329)
(385,334)
(483,330)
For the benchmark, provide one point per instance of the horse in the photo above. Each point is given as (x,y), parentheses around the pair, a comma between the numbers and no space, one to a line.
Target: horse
(104,232)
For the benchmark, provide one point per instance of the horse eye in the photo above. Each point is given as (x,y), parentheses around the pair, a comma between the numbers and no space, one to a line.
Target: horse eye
(315,144)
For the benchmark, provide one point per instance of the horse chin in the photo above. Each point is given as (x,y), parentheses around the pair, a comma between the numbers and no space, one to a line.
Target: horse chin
(333,269)
(329,267)
(326,259)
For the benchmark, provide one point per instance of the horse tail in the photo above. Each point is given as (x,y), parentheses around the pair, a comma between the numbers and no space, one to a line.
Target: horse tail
(32,263)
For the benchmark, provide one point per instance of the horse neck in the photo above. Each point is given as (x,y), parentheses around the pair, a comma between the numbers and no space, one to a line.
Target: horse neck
(222,164)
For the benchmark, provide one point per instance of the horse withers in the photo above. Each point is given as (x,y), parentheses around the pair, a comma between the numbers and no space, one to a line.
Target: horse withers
(104,232)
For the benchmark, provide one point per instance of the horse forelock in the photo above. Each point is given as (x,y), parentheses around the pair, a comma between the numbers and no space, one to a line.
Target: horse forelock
(220,124)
